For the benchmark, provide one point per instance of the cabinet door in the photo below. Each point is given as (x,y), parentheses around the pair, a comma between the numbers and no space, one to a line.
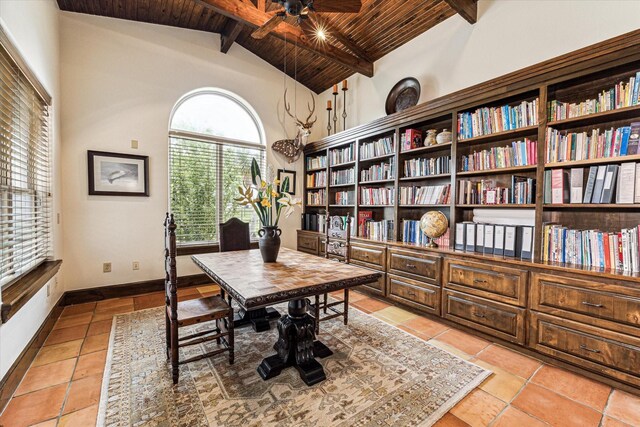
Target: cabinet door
(421,295)
(308,244)
(368,255)
(415,265)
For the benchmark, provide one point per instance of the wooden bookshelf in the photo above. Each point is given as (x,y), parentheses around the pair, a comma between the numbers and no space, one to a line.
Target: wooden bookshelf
(420,178)
(509,170)
(501,206)
(429,148)
(591,162)
(596,118)
(381,157)
(501,136)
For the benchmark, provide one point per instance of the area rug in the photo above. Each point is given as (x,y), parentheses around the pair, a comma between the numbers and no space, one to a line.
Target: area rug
(378,376)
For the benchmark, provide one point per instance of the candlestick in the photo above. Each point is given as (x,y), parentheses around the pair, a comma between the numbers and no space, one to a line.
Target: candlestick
(335,109)
(345,88)
(329,117)
(335,89)
(329,105)
(345,85)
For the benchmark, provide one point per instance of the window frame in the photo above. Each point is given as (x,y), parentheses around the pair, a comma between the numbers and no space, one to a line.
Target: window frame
(191,248)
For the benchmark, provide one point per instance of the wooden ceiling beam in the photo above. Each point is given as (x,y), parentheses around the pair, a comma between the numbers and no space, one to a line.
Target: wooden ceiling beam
(229,34)
(251,16)
(333,32)
(468,9)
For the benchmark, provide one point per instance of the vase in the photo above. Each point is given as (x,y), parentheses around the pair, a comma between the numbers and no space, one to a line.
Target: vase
(430,139)
(269,243)
(444,137)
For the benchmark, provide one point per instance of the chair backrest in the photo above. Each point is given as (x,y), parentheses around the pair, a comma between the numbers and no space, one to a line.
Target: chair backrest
(234,236)
(170,253)
(338,237)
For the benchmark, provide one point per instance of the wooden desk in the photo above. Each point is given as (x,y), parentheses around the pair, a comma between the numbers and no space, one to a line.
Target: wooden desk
(296,276)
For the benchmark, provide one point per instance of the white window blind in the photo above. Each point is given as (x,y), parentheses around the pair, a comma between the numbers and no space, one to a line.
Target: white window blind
(25,181)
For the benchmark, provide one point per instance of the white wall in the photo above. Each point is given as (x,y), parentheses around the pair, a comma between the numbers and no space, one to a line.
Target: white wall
(120,80)
(509,35)
(33,27)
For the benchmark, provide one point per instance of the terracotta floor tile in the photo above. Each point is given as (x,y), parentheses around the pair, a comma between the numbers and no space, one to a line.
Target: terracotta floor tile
(501,384)
(208,289)
(356,296)
(370,305)
(512,417)
(83,418)
(72,310)
(34,407)
(612,422)
(101,327)
(478,409)
(58,336)
(185,292)
(555,409)
(57,352)
(83,393)
(90,364)
(75,320)
(450,420)
(414,332)
(573,386)
(624,407)
(425,326)
(463,341)
(95,343)
(108,314)
(148,301)
(113,302)
(39,377)
(49,423)
(510,360)
(450,349)
(394,315)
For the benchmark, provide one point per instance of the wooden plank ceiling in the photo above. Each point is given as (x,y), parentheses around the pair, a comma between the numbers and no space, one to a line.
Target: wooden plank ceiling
(354,42)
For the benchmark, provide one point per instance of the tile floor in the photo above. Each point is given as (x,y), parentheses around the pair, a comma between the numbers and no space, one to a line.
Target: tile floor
(62,386)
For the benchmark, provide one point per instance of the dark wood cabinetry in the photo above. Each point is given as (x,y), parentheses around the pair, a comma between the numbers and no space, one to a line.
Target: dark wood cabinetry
(417,294)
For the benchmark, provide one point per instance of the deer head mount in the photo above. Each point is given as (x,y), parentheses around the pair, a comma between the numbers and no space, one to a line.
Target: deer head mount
(292,148)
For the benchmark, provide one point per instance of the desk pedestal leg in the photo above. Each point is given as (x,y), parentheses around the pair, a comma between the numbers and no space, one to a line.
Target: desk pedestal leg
(296,346)
(258,318)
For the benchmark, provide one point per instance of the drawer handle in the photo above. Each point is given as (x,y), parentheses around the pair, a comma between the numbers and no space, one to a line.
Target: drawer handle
(479,281)
(592,350)
(411,265)
(481,315)
(411,293)
(590,304)
(365,256)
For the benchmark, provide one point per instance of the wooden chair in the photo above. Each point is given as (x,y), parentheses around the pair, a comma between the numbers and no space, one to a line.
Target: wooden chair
(185,313)
(337,246)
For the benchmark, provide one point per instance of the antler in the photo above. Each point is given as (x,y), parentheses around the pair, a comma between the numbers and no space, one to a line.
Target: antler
(306,124)
(311,110)
(287,108)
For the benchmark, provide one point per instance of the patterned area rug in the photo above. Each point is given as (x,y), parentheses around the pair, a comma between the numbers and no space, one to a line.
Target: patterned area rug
(377,376)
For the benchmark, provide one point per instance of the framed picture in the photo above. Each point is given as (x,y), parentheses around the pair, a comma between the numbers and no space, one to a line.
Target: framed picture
(115,174)
(282,174)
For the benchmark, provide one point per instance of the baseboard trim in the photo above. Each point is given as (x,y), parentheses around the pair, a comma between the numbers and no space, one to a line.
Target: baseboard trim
(128,289)
(14,375)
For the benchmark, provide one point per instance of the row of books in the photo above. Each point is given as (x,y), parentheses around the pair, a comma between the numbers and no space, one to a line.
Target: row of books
(316,162)
(377,172)
(493,239)
(411,233)
(602,184)
(486,192)
(488,120)
(375,230)
(427,166)
(342,155)
(563,146)
(314,222)
(343,176)
(411,139)
(381,147)
(519,153)
(317,179)
(620,96)
(428,195)
(345,198)
(317,198)
(377,196)
(592,248)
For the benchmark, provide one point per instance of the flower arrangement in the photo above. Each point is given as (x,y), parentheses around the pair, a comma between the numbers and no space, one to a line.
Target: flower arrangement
(263,196)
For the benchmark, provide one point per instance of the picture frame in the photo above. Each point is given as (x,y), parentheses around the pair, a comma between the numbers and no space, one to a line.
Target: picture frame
(117,174)
(284,173)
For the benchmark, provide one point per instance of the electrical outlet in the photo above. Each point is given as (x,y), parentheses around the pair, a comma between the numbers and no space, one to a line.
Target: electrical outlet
(48,290)
(134,143)
(106,267)
(136,265)
(58,218)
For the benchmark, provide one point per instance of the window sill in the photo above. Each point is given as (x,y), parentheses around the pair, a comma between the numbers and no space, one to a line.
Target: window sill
(184,250)
(16,295)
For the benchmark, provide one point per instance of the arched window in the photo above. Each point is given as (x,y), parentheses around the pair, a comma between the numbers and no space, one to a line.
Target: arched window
(213,135)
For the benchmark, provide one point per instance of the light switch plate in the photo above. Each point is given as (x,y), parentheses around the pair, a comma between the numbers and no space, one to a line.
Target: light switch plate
(134,143)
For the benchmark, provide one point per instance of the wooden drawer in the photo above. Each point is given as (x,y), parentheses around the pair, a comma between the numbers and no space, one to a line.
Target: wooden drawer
(370,255)
(417,294)
(494,318)
(415,265)
(587,301)
(377,287)
(505,284)
(308,244)
(606,352)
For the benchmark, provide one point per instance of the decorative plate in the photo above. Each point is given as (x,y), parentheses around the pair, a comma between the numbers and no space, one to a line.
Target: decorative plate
(403,95)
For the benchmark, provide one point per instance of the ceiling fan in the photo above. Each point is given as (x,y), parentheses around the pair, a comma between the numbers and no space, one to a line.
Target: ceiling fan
(298,10)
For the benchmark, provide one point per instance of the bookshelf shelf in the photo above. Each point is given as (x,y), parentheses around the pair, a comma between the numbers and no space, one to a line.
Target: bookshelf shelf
(498,136)
(341,185)
(316,170)
(424,206)
(342,206)
(589,162)
(316,206)
(375,206)
(322,187)
(439,147)
(373,159)
(502,206)
(378,181)
(596,118)
(342,165)
(593,206)
(420,178)
(499,171)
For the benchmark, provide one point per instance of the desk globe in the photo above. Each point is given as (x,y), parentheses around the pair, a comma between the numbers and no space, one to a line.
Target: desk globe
(434,224)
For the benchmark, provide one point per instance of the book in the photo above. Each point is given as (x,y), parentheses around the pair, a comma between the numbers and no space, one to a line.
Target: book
(633,147)
(480,238)
(510,240)
(363,217)
(526,249)
(547,187)
(599,184)
(575,195)
(470,232)
(626,183)
(591,181)
(498,240)
(488,238)
(460,242)
(609,185)
(636,197)
(559,186)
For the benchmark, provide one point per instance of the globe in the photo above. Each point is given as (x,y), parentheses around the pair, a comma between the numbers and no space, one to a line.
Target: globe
(434,224)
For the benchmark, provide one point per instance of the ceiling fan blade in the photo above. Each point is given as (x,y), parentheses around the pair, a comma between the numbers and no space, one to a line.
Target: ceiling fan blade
(337,6)
(261,32)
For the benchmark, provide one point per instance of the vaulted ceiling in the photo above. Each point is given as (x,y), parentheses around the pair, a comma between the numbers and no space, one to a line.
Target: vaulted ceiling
(353,40)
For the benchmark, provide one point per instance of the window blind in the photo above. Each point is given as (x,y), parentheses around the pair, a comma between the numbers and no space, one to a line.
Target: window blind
(204,177)
(25,181)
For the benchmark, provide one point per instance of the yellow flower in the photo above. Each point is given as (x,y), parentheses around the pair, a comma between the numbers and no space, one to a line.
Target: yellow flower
(263,184)
(266,203)
(276,181)
(274,193)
